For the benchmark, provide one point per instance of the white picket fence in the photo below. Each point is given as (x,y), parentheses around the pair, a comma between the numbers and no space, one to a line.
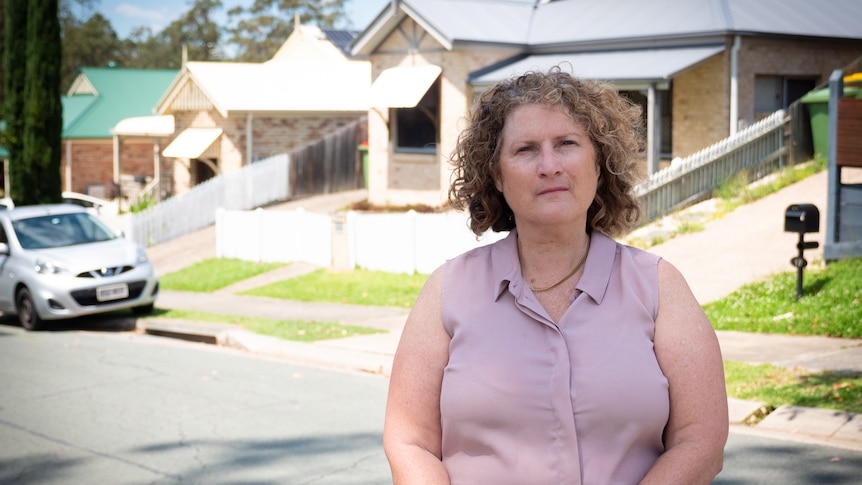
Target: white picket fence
(393,242)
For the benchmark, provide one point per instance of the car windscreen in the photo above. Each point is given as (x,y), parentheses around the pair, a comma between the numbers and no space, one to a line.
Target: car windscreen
(58,230)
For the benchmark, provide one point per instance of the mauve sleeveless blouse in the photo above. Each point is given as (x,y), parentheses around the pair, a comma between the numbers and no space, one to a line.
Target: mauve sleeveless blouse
(527,401)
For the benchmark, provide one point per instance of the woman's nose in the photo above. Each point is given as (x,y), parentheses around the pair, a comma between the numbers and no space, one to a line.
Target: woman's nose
(549,163)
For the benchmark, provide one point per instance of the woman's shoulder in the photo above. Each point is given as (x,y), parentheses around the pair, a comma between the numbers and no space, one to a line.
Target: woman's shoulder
(641,255)
(632,253)
(485,254)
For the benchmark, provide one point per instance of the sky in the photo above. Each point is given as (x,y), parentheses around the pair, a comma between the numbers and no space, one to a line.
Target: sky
(125,15)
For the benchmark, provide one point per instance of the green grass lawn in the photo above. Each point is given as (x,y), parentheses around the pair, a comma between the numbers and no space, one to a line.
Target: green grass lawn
(778,385)
(213,274)
(830,306)
(358,287)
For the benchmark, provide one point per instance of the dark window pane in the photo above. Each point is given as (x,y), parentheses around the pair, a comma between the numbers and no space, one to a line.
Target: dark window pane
(416,128)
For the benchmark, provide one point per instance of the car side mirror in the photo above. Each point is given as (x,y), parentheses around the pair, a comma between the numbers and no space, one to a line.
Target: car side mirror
(4,249)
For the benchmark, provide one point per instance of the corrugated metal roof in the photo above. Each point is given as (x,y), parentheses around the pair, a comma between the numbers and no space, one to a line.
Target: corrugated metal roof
(121,93)
(572,22)
(624,66)
(341,39)
(822,18)
(283,85)
(307,75)
(75,106)
(577,21)
(494,21)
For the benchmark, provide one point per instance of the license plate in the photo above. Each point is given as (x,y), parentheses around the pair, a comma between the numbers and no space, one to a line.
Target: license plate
(112,292)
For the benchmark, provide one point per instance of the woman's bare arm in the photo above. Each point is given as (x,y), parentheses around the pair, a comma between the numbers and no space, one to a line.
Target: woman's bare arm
(689,355)
(412,433)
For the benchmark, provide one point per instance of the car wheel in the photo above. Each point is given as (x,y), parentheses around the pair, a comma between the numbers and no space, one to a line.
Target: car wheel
(27,310)
(143,310)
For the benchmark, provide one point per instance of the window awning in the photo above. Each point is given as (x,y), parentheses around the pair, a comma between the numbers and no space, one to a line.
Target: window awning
(632,69)
(403,87)
(145,126)
(192,143)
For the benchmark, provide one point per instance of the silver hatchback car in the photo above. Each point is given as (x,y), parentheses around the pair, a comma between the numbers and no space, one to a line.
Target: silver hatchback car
(59,261)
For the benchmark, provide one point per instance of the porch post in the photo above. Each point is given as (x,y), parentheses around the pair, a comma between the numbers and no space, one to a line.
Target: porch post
(653,129)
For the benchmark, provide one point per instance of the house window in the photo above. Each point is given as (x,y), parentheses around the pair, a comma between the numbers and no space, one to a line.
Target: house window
(772,93)
(416,129)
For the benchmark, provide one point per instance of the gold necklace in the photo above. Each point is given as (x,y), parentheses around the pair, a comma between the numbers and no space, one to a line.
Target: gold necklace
(575,270)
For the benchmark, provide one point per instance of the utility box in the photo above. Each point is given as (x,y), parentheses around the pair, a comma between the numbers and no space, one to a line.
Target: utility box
(802,218)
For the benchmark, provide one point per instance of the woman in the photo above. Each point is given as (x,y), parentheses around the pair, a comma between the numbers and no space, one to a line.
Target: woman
(555,355)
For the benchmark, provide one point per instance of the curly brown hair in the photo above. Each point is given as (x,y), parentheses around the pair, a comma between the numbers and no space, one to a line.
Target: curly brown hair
(612,122)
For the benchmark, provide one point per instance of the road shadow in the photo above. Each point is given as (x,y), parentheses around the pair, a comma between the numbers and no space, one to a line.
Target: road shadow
(119,321)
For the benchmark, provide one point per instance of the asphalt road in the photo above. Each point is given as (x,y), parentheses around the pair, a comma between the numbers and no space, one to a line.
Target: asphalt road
(122,408)
(96,402)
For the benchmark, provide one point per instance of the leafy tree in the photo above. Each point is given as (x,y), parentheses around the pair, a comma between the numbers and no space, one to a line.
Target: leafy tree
(87,44)
(38,179)
(2,62)
(196,31)
(14,62)
(258,31)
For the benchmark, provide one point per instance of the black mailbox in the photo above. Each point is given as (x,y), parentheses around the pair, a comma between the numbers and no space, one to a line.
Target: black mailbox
(802,218)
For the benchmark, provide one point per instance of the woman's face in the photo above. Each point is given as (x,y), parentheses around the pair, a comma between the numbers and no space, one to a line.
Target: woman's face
(548,170)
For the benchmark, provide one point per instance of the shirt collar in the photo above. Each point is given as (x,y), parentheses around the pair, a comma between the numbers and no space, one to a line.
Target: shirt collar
(505,263)
(597,269)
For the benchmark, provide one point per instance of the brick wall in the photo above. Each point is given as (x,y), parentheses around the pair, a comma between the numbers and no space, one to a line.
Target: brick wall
(92,162)
(400,179)
(763,56)
(700,106)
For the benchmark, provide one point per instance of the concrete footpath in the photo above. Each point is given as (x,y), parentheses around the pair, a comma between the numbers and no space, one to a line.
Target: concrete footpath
(743,246)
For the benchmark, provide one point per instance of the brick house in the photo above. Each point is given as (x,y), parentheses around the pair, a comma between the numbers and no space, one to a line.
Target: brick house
(701,69)
(98,99)
(228,114)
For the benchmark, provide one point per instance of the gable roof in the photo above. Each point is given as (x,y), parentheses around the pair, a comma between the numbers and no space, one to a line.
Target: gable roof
(308,75)
(567,24)
(620,20)
(100,97)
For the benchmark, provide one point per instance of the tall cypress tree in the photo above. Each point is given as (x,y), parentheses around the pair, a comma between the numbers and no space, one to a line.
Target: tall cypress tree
(43,112)
(14,61)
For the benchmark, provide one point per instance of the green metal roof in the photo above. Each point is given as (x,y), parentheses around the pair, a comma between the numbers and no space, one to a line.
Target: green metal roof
(120,93)
(74,107)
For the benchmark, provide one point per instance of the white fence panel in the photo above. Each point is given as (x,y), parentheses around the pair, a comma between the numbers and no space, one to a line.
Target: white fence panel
(439,237)
(391,242)
(382,242)
(253,185)
(274,236)
(411,242)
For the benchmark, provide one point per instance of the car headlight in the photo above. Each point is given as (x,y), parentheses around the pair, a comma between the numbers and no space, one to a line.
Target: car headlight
(141,256)
(44,266)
